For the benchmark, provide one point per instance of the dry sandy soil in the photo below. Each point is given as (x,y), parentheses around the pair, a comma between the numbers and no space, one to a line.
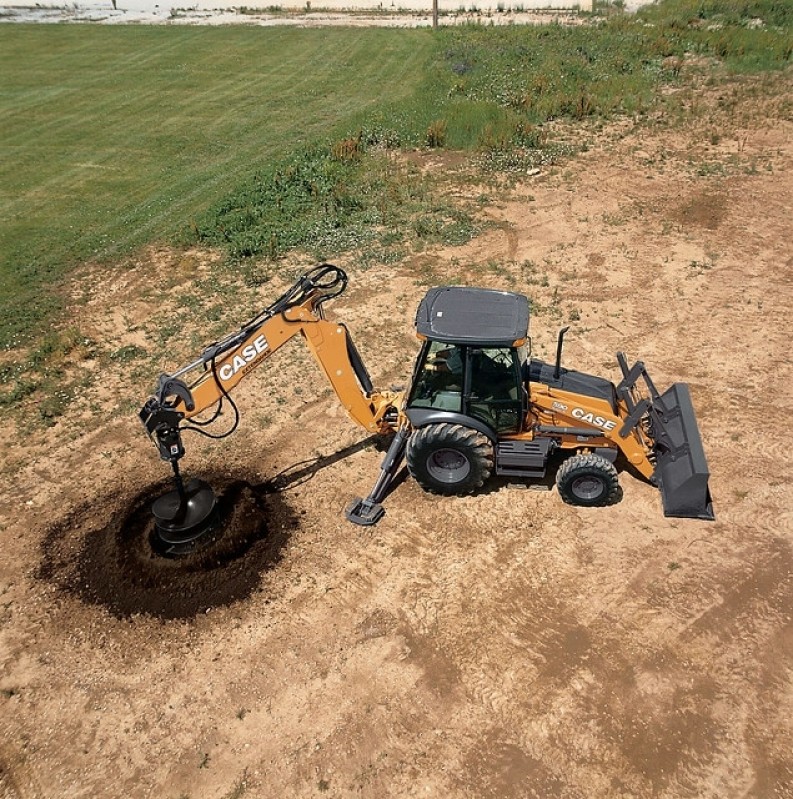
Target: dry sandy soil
(500,645)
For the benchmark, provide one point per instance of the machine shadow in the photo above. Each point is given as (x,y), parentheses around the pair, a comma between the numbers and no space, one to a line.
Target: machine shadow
(301,472)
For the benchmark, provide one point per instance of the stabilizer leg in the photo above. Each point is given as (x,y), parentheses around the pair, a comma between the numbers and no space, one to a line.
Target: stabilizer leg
(369,511)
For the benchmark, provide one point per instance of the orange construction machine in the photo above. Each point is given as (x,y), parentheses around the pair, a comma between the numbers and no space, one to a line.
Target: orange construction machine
(478,405)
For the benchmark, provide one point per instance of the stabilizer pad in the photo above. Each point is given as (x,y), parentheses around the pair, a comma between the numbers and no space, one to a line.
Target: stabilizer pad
(364,512)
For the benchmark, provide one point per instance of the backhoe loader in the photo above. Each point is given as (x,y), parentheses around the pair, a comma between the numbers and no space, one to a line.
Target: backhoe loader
(477,405)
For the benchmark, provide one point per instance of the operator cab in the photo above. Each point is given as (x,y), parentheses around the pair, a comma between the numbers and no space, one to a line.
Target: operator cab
(473,360)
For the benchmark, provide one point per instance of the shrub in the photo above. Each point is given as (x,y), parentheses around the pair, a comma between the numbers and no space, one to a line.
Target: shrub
(436,133)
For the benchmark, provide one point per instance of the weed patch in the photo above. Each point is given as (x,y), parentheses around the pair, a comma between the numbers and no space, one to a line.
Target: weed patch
(49,377)
(325,204)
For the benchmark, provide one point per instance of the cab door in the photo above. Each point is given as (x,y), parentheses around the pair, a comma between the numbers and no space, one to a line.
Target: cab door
(494,392)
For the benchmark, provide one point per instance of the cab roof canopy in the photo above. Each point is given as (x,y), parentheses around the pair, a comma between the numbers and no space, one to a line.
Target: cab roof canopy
(462,315)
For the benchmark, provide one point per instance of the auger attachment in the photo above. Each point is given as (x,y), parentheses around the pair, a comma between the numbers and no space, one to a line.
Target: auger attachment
(185,518)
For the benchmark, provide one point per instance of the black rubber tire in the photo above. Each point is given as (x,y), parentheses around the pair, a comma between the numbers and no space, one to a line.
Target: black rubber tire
(449,458)
(588,480)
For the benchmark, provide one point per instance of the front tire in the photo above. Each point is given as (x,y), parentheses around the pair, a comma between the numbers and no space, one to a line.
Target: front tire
(449,458)
(588,480)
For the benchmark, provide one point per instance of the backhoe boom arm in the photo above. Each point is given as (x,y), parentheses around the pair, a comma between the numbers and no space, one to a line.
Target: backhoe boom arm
(225,363)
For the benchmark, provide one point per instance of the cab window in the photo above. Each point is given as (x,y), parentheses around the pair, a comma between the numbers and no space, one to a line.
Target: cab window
(439,379)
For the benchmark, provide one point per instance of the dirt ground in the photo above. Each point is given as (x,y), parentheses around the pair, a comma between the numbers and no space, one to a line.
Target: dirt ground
(494,646)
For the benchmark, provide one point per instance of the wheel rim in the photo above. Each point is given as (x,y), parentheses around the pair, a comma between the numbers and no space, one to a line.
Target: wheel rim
(587,487)
(448,465)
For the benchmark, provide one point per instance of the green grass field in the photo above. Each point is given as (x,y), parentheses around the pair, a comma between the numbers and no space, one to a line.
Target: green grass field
(114,137)
(257,140)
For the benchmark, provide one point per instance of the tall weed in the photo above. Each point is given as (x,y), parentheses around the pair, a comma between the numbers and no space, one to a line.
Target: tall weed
(325,202)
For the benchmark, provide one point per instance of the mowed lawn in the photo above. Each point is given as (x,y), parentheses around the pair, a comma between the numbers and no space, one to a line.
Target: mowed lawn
(114,137)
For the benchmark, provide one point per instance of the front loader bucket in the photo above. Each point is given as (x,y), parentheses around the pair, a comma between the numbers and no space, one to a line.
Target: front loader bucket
(681,470)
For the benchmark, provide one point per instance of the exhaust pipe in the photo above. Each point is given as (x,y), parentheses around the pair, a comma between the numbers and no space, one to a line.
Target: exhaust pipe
(559,341)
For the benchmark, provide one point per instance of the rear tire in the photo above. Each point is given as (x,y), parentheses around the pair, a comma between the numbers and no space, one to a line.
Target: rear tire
(449,458)
(589,481)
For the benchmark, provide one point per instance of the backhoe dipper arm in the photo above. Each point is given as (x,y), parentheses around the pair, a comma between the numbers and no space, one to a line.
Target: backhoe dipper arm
(225,363)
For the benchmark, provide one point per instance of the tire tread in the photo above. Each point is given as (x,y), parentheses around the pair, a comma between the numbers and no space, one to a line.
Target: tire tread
(588,462)
(478,449)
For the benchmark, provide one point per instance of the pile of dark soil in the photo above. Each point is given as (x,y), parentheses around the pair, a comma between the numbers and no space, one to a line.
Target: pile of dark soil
(119,565)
